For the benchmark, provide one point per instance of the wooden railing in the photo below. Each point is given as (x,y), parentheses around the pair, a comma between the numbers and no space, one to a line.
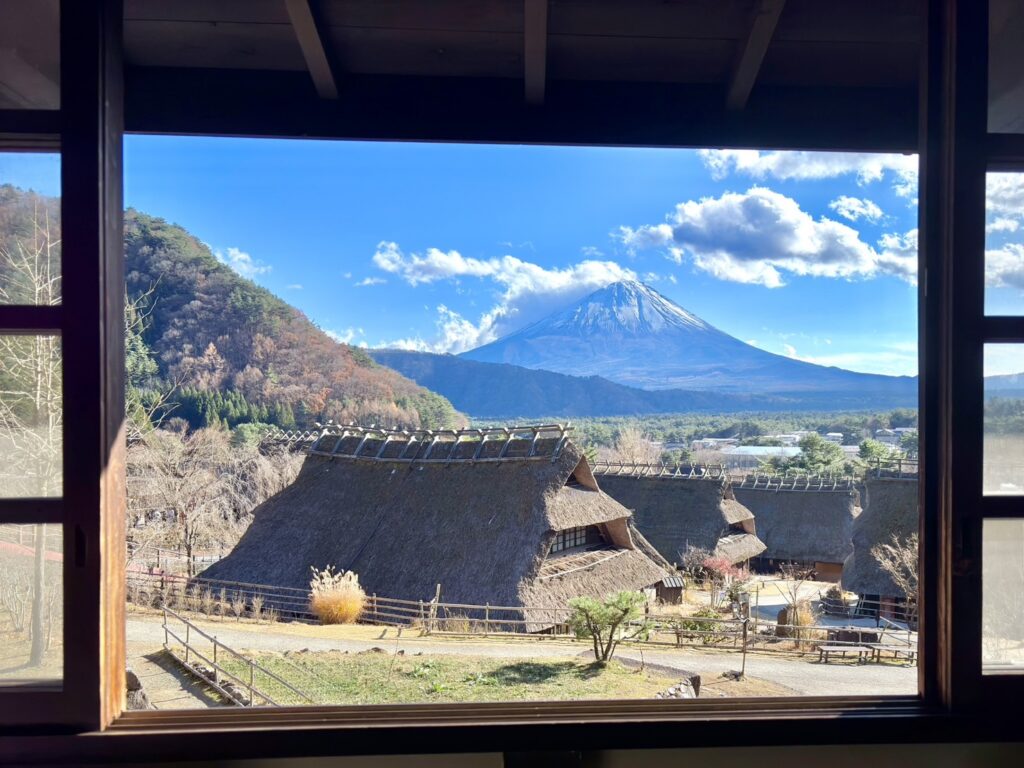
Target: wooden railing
(217,675)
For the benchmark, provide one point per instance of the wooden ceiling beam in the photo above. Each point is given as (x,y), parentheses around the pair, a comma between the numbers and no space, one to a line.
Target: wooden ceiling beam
(748,65)
(535,49)
(313,50)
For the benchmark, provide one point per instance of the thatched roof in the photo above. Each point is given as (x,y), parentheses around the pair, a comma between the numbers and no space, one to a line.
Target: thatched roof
(678,511)
(890,506)
(805,526)
(481,528)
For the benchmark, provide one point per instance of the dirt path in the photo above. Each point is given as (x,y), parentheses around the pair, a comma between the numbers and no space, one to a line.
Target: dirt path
(802,675)
(164,681)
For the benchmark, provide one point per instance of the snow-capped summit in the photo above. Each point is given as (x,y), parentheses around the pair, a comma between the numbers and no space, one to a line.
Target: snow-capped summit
(628,307)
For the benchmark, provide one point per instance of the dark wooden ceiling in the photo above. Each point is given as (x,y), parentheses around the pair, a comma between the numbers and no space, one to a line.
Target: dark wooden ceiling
(788,73)
(844,43)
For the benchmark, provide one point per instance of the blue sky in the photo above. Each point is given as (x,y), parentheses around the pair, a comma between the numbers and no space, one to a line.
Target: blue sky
(443,247)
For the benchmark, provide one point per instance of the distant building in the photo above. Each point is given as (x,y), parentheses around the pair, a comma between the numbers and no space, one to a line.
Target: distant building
(787,439)
(834,437)
(748,457)
(714,443)
(887,436)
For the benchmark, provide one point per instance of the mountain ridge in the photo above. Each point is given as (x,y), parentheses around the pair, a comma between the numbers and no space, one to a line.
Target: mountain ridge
(630,334)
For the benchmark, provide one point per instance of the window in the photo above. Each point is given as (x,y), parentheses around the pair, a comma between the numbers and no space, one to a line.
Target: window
(970,519)
(576,537)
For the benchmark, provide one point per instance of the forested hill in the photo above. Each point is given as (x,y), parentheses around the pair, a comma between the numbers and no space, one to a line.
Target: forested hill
(237,353)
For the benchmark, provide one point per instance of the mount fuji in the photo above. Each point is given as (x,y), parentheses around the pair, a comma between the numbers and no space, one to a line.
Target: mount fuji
(630,334)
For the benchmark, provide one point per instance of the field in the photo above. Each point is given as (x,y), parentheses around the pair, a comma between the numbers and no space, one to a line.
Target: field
(377,677)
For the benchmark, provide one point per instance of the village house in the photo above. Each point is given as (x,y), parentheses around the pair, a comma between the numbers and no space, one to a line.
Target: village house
(890,508)
(803,520)
(678,508)
(506,517)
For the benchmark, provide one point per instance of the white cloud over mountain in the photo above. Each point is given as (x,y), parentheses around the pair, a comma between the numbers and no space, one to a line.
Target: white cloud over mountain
(761,235)
(241,262)
(528,291)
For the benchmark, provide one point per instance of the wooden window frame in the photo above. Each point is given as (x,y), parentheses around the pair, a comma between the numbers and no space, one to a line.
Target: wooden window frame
(85,721)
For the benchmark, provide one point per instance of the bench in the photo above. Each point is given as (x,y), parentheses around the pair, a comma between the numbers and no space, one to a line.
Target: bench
(907,651)
(862,651)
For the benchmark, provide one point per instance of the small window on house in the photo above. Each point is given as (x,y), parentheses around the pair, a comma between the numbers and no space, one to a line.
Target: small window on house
(580,536)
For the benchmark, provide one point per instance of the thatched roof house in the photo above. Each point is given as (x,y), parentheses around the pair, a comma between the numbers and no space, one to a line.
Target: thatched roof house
(505,517)
(681,507)
(803,521)
(890,507)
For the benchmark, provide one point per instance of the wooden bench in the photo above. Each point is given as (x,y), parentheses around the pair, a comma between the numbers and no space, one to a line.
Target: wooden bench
(907,651)
(862,651)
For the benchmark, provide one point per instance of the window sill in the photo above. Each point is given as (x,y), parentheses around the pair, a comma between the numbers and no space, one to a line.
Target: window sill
(424,729)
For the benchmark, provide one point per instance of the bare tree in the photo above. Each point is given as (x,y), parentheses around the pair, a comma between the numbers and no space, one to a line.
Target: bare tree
(898,558)
(181,475)
(200,487)
(31,413)
(633,446)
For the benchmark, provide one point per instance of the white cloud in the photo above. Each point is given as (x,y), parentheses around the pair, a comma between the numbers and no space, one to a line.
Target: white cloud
(1004,267)
(528,290)
(241,262)
(759,236)
(1005,194)
(800,166)
(348,336)
(294,287)
(1002,224)
(371,281)
(897,359)
(591,251)
(854,208)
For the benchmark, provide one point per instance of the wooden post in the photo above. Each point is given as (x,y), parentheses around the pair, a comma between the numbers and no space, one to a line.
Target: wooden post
(186,642)
(487,618)
(373,604)
(423,625)
(215,660)
(252,687)
(743,664)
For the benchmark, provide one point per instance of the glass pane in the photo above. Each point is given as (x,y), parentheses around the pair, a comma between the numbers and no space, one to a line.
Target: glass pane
(30,245)
(31,604)
(31,417)
(1004,419)
(750,322)
(1006,67)
(1004,244)
(1002,604)
(30,54)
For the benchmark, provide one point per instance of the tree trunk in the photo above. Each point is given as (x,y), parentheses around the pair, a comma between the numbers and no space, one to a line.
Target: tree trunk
(38,599)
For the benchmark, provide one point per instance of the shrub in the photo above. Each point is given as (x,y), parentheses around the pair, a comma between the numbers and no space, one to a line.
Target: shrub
(608,622)
(335,596)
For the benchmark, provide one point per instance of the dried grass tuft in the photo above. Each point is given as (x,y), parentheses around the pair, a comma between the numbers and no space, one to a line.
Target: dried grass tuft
(336,597)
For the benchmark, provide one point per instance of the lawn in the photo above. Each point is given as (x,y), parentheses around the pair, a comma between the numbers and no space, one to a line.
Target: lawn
(369,677)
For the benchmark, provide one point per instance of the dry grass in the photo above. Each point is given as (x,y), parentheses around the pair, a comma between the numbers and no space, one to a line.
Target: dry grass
(336,598)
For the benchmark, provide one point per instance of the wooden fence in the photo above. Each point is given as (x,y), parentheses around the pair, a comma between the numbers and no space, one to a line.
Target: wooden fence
(202,596)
